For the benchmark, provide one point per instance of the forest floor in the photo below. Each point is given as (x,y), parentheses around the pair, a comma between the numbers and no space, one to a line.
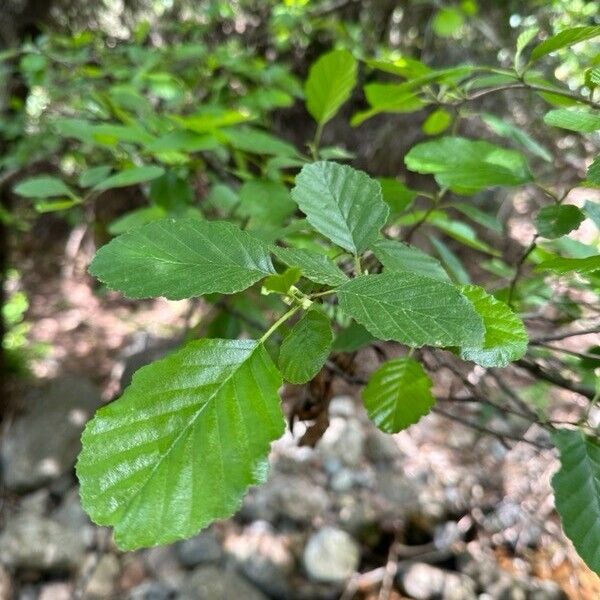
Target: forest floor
(437,511)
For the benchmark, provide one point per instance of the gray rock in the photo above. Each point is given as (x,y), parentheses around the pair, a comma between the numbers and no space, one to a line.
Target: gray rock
(212,583)
(29,592)
(345,479)
(545,590)
(36,503)
(56,591)
(331,555)
(202,548)
(41,445)
(342,406)
(342,444)
(70,514)
(102,583)
(398,495)
(381,447)
(506,587)
(509,587)
(480,567)
(6,585)
(288,497)
(162,564)
(264,558)
(499,584)
(359,515)
(151,590)
(143,350)
(38,543)
(424,582)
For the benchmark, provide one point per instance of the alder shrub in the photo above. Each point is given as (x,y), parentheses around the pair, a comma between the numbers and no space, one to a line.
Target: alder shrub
(336,271)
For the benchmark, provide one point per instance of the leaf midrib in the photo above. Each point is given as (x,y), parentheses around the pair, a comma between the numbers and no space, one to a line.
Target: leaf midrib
(187,428)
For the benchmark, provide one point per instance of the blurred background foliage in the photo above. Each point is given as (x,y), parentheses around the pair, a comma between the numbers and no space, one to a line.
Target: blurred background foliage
(202,100)
(116,113)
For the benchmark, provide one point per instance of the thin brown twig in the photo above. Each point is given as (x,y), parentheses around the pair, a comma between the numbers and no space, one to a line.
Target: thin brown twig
(555,337)
(588,355)
(434,205)
(526,86)
(508,391)
(488,430)
(519,269)
(555,378)
(391,568)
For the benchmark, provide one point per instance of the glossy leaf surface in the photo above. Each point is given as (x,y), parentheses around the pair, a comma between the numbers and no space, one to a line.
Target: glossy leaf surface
(183,443)
(182,258)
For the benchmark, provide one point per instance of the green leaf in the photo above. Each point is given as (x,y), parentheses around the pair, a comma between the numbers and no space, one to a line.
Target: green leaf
(305,348)
(398,395)
(505,335)
(112,133)
(330,82)
(90,177)
(256,141)
(183,443)
(566,265)
(448,21)
(592,78)
(577,492)
(396,256)
(131,176)
(412,309)
(343,204)
(404,66)
(467,166)
(265,203)
(316,267)
(79,129)
(437,122)
(136,218)
(396,195)
(522,41)
(593,173)
(558,219)
(567,37)
(459,230)
(352,338)
(183,141)
(450,261)
(212,118)
(42,186)
(592,211)
(405,97)
(388,97)
(282,282)
(516,134)
(182,258)
(48,206)
(478,216)
(573,120)
(223,198)
(172,193)
(335,153)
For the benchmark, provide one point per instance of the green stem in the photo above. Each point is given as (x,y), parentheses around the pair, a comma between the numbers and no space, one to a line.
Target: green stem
(317,141)
(290,313)
(320,294)
(357,265)
(548,192)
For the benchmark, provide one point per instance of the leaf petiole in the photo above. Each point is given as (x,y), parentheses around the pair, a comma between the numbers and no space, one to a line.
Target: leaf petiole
(288,315)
